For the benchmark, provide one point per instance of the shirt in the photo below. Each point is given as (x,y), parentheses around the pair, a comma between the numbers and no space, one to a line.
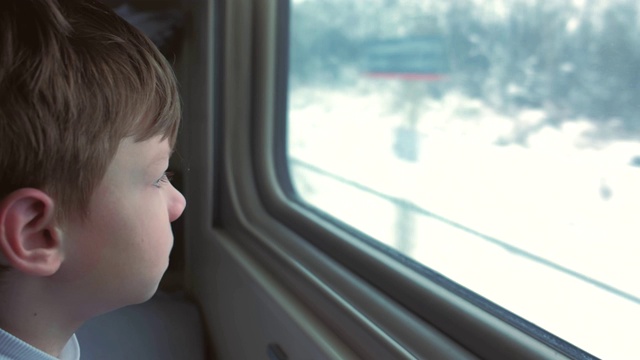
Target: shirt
(12,348)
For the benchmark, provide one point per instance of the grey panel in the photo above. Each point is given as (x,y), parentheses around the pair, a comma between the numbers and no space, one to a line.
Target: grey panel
(167,327)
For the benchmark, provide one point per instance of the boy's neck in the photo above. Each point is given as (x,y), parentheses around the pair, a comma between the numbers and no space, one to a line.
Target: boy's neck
(35,317)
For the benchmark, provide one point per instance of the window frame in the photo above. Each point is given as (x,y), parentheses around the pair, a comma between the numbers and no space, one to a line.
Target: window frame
(388,304)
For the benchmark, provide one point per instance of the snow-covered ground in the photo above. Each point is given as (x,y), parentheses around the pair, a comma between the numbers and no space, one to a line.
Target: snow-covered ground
(560,195)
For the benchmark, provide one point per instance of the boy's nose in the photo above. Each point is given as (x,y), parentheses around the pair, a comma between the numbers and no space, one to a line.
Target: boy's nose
(177,203)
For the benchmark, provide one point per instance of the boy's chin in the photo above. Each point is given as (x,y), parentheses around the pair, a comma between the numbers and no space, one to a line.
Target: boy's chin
(146,295)
(135,296)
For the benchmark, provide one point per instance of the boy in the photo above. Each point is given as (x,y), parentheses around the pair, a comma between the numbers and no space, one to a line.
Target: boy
(89,112)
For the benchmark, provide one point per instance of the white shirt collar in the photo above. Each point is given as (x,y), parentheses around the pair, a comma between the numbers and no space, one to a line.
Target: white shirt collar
(12,348)
(71,350)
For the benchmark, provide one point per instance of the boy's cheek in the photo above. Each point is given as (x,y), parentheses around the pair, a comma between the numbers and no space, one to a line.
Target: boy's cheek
(89,245)
(82,257)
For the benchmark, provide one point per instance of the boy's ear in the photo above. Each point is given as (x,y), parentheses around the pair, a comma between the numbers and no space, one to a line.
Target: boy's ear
(29,240)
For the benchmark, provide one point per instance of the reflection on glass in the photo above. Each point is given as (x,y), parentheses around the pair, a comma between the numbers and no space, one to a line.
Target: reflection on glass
(496,142)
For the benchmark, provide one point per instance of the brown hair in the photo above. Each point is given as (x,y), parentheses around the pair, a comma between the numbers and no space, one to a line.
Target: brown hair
(75,79)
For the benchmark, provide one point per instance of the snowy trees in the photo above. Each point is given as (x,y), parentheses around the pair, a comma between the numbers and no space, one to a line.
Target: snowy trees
(573,59)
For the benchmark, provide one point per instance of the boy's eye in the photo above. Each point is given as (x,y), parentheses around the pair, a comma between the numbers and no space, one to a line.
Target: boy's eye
(165,178)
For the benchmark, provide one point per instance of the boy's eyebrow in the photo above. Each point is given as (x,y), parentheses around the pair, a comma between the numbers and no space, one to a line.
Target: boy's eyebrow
(163,155)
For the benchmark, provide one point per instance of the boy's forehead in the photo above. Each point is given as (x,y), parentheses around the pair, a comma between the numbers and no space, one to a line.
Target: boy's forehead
(151,150)
(163,149)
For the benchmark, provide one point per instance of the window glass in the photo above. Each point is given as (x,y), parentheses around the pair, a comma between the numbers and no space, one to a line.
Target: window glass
(495,141)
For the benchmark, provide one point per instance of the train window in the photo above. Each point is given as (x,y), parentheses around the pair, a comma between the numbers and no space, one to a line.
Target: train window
(495,142)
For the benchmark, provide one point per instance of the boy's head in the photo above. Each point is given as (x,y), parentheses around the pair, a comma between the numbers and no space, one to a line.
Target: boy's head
(75,80)
(89,112)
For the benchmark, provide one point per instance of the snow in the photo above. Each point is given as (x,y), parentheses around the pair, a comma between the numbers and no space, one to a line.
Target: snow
(558,195)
